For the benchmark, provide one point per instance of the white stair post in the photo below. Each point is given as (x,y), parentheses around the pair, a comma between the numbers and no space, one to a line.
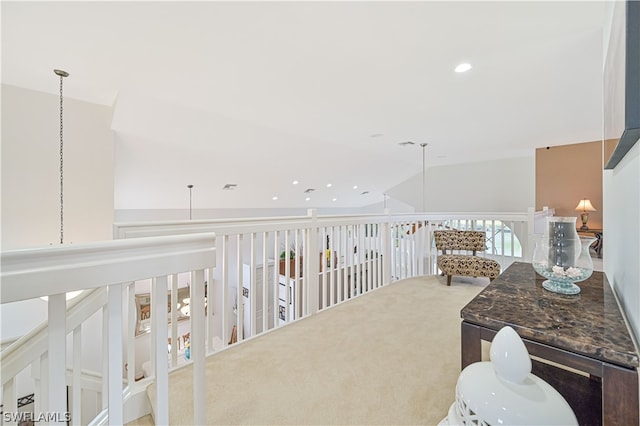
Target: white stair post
(115,354)
(198,346)
(159,330)
(386,249)
(57,358)
(312,264)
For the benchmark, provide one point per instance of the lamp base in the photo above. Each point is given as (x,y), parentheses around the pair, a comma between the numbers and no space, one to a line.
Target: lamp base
(584,217)
(560,287)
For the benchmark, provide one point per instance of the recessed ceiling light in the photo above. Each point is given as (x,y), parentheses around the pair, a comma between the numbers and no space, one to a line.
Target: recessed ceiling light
(295,182)
(307,199)
(274,198)
(334,199)
(329,185)
(463,67)
(355,186)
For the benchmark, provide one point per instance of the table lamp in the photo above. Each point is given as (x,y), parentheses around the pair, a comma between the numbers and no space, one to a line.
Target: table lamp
(585,206)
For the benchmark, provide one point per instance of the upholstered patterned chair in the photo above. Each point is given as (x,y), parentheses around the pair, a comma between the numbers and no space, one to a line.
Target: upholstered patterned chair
(460,264)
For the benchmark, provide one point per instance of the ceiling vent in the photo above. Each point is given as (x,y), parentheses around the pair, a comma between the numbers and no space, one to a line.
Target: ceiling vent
(309,190)
(364,193)
(230,186)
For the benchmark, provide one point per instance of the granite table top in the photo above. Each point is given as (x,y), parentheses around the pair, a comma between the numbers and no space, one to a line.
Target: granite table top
(589,323)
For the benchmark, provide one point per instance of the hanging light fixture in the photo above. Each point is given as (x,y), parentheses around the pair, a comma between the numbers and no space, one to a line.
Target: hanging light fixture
(424,175)
(62,75)
(190,211)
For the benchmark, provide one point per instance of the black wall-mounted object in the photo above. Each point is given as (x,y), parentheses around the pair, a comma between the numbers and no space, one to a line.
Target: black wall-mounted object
(631,101)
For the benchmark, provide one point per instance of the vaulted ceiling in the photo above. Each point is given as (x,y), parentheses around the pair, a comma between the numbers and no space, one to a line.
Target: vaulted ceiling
(259,94)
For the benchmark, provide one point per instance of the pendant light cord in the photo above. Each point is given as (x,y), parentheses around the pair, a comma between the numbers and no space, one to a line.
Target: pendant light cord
(190,215)
(62,74)
(61,170)
(424,175)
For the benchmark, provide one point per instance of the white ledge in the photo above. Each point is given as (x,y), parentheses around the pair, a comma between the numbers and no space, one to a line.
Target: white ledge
(31,273)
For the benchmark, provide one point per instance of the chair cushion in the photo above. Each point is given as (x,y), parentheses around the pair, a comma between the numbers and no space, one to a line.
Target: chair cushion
(460,240)
(460,264)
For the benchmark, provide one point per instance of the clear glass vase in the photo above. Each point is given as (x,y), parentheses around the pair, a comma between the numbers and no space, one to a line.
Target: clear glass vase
(561,256)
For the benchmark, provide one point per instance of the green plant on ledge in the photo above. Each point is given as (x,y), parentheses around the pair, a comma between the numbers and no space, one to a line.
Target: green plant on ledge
(287,257)
(290,255)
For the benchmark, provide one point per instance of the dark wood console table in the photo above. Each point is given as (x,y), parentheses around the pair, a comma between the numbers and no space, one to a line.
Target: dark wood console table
(584,332)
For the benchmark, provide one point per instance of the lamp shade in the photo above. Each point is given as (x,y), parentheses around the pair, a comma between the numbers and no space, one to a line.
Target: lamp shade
(585,206)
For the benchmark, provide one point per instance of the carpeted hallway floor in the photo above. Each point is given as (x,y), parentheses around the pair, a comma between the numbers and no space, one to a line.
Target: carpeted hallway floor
(388,357)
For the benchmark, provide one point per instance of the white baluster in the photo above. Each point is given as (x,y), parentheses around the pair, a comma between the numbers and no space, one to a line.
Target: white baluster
(174,320)
(401,267)
(369,258)
(513,233)
(276,280)
(428,232)
(10,403)
(159,331)
(311,281)
(240,315)
(253,300)
(287,273)
(297,311)
(198,346)
(225,290)
(37,384)
(334,267)
(76,387)
(42,404)
(131,333)
(210,322)
(323,268)
(387,250)
(345,263)
(57,356)
(105,358)
(115,355)
(376,259)
(265,286)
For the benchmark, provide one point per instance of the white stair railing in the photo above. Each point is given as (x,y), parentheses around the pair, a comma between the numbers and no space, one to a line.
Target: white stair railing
(237,282)
(105,268)
(335,258)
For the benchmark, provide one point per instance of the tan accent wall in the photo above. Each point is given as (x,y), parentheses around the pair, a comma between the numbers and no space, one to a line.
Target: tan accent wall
(566,174)
(609,147)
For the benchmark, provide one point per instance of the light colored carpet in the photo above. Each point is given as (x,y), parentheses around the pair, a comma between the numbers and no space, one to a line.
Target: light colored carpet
(389,357)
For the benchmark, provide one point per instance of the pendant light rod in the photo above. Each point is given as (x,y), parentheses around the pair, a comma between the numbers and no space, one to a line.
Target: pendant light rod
(62,75)
(424,175)
(190,211)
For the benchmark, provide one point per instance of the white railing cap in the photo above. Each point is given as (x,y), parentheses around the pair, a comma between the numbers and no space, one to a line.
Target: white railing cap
(30,273)
(265,224)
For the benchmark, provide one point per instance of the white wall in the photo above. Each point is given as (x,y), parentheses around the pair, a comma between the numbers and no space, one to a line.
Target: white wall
(31,169)
(620,187)
(31,179)
(506,185)
(621,247)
